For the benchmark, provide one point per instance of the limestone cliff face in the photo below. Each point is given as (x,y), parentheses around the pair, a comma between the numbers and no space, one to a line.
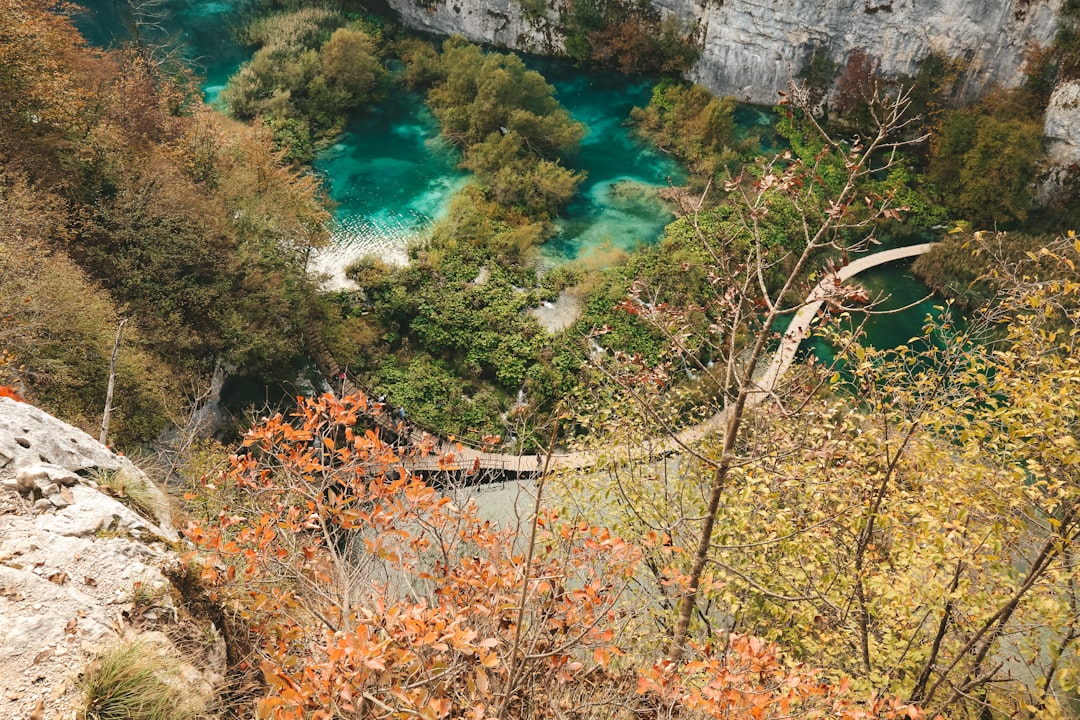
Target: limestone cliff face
(494,22)
(1061,125)
(751,47)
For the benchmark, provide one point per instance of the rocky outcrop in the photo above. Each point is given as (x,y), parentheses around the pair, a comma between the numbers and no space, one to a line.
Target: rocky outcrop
(79,570)
(750,48)
(494,22)
(1061,125)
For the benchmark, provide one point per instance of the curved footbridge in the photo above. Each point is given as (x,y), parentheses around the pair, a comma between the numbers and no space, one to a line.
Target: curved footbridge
(455,456)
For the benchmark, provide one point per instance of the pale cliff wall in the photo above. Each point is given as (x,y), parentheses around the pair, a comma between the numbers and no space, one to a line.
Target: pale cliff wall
(751,47)
(495,22)
(1061,126)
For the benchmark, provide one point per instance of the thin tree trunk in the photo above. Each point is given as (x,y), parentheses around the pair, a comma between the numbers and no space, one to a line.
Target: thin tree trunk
(701,554)
(935,647)
(815,239)
(106,416)
(981,642)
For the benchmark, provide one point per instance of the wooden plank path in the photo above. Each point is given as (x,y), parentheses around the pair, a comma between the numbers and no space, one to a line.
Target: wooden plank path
(457,456)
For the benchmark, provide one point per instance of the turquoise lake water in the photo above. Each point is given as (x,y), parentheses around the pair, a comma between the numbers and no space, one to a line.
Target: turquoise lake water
(890,287)
(202,31)
(393,176)
(617,204)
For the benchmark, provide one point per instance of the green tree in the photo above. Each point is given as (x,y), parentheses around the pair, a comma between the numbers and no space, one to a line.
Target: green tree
(736,321)
(57,327)
(695,126)
(350,63)
(485,94)
(310,69)
(984,160)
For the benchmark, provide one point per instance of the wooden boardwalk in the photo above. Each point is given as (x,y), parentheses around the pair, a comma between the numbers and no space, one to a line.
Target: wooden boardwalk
(457,456)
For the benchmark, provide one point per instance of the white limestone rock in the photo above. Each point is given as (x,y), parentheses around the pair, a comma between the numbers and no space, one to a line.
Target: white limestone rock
(43,475)
(751,48)
(46,454)
(1061,124)
(65,598)
(496,22)
(91,512)
(30,436)
(1062,120)
(68,590)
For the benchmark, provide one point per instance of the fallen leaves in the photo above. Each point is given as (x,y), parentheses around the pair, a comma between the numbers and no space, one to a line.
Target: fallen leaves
(11,594)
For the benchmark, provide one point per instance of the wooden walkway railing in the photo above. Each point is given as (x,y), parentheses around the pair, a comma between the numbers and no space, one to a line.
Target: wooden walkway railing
(458,455)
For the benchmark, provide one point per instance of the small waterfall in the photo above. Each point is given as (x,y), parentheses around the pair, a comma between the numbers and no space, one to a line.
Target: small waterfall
(386,235)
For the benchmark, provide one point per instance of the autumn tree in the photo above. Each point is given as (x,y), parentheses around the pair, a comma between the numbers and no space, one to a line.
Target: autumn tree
(920,523)
(857,89)
(126,192)
(377,595)
(57,357)
(630,36)
(373,595)
(909,525)
(740,315)
(39,81)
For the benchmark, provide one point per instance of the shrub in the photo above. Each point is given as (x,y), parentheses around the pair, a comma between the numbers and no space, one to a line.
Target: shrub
(308,72)
(694,125)
(377,596)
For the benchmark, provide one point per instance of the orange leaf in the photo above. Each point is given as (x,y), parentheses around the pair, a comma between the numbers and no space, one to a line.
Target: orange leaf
(8,392)
(602,656)
(266,707)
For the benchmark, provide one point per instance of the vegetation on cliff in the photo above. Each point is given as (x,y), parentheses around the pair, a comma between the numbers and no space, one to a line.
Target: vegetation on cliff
(628,35)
